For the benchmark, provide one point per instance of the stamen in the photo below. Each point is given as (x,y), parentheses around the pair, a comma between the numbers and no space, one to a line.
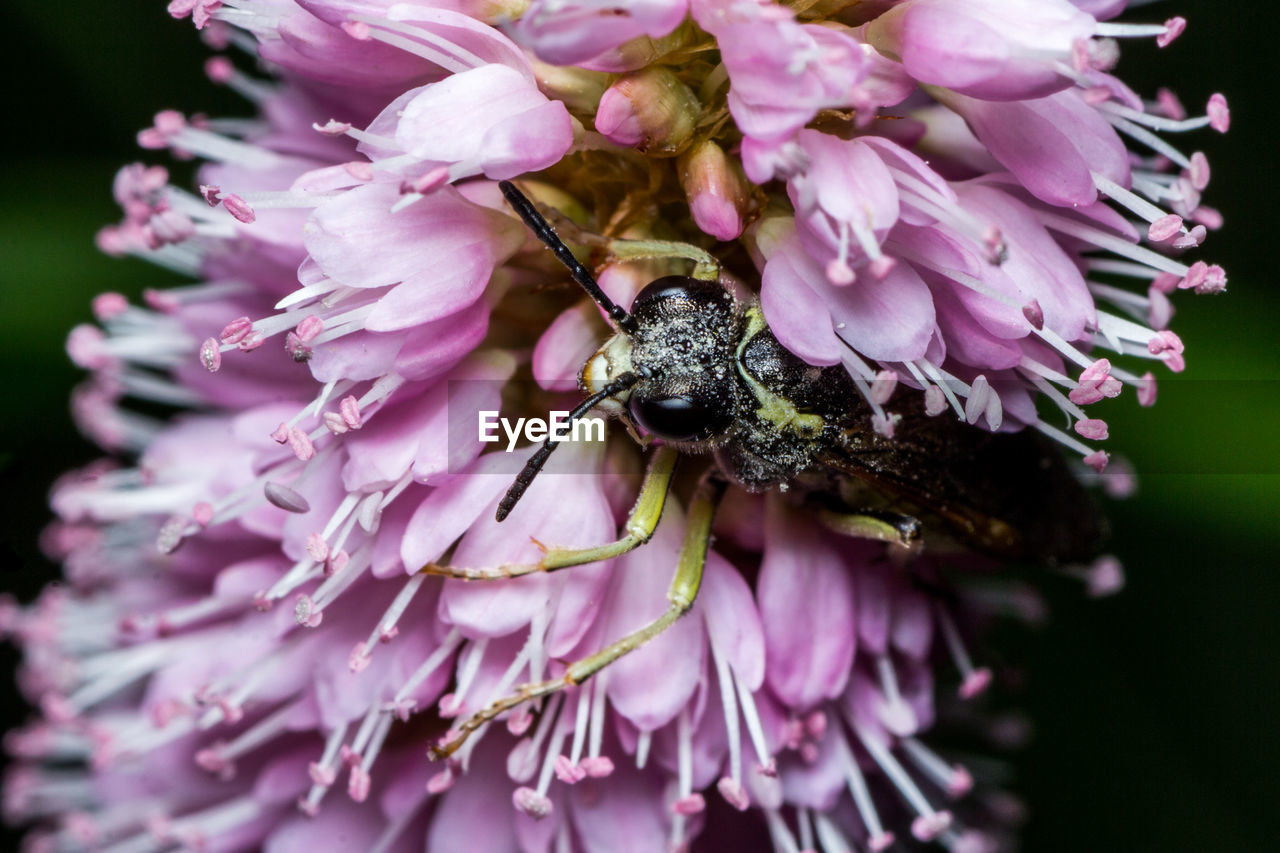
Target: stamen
(580,724)
(877,838)
(1063,438)
(531,803)
(954,779)
(959,277)
(829,835)
(643,742)
(401,703)
(386,628)
(838,270)
(398,823)
(864,387)
(359,780)
(524,657)
(972,681)
(896,715)
(220,70)
(1219,114)
(687,801)
(281,199)
(916,193)
(304,570)
(1119,246)
(930,824)
(468,667)
(214,146)
(553,755)
(945,382)
(437,51)
(1169,30)
(109,672)
(522,762)
(363,734)
(983,400)
(883,386)
(767,765)
(1144,136)
(324,771)
(303,295)
(1156,122)
(1163,225)
(731,785)
(1095,384)
(1104,577)
(597,718)
(218,759)
(190,830)
(779,833)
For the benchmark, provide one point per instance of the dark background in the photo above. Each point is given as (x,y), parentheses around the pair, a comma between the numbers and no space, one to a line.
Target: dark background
(1155,711)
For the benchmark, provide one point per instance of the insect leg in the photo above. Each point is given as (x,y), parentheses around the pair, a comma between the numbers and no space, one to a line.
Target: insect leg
(892,527)
(680,597)
(635,532)
(706,267)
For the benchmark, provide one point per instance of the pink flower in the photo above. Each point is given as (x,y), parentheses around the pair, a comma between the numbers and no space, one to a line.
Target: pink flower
(254,648)
(589,34)
(998,51)
(781,72)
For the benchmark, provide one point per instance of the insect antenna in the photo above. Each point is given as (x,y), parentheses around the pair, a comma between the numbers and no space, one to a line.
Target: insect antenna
(538,459)
(540,227)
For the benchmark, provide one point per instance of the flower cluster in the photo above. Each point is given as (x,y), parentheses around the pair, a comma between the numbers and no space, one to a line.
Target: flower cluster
(938,195)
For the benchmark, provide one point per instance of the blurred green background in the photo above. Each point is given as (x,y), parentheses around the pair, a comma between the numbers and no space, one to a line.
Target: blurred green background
(1155,712)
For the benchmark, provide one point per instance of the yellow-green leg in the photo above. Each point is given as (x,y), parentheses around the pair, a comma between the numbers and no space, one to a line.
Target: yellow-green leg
(680,597)
(892,527)
(705,265)
(637,530)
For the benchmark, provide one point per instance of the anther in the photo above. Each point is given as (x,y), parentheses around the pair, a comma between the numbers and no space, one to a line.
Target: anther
(568,772)
(280,495)
(733,793)
(1173,28)
(1219,113)
(840,273)
(530,802)
(236,331)
(219,69)
(689,805)
(239,208)
(1094,429)
(1105,577)
(1147,389)
(935,401)
(1034,314)
(306,613)
(1164,227)
(1097,460)
(211,355)
(332,127)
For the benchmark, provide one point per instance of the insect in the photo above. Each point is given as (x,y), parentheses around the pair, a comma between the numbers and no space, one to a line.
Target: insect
(695,366)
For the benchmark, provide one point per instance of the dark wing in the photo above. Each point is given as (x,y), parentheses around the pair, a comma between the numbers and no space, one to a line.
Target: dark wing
(1006,494)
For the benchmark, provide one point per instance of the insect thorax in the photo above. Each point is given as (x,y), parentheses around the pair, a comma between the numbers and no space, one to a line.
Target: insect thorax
(783,411)
(789,410)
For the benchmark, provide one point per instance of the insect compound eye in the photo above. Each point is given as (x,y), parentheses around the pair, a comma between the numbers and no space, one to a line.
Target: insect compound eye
(674,294)
(683,417)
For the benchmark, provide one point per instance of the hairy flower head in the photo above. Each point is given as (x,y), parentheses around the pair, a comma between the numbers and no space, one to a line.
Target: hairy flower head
(954,201)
